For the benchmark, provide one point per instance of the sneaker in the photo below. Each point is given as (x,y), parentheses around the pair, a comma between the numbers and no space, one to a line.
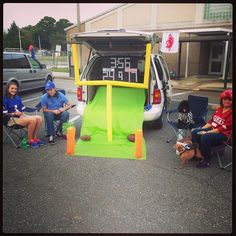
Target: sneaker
(51,140)
(33,144)
(61,135)
(39,142)
(203,164)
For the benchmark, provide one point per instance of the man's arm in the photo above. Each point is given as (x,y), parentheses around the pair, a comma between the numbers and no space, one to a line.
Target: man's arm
(67,105)
(56,112)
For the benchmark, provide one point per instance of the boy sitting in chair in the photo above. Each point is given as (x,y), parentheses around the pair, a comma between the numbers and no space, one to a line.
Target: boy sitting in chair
(55,106)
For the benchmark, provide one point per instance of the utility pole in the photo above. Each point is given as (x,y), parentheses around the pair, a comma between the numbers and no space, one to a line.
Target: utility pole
(78,16)
(79,28)
(19,39)
(39,43)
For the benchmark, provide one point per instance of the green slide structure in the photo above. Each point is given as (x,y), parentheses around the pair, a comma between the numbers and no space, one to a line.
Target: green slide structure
(127,117)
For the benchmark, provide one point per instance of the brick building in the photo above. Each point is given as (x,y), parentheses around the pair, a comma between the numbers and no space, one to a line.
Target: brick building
(205,33)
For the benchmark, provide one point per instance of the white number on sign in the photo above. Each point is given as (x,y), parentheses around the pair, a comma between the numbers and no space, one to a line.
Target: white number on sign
(108,74)
(112,74)
(120,75)
(105,75)
(113,62)
(120,63)
(127,62)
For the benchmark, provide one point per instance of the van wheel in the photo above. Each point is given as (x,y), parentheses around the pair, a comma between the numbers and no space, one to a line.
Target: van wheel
(17,84)
(158,124)
(49,78)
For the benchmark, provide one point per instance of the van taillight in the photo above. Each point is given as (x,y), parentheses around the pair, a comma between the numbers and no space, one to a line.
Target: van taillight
(79,93)
(156,96)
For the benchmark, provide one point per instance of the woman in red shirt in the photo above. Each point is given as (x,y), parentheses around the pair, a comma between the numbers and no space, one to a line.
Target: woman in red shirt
(216,130)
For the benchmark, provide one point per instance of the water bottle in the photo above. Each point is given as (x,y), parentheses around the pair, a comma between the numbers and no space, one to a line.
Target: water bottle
(67,125)
(25,144)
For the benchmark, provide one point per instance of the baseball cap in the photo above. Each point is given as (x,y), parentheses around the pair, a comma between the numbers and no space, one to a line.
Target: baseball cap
(49,85)
(226,94)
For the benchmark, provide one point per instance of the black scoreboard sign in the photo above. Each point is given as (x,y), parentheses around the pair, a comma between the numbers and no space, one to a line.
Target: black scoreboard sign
(120,69)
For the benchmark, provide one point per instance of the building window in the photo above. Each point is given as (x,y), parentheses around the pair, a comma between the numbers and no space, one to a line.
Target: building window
(218,12)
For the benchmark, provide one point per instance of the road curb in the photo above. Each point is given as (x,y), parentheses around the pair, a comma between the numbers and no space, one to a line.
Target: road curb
(199,89)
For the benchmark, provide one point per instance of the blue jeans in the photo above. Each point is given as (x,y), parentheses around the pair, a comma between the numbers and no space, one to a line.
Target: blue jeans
(206,141)
(50,118)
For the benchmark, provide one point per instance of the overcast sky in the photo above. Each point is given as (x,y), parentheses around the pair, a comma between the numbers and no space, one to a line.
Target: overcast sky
(31,13)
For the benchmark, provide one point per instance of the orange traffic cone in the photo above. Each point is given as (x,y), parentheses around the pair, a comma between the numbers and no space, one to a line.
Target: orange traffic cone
(138,143)
(70,144)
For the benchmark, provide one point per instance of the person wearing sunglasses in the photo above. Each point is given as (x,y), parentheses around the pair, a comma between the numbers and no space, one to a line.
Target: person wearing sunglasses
(215,131)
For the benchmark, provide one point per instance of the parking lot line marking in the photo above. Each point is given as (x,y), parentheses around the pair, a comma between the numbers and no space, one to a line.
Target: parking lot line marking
(74,118)
(28,100)
(178,94)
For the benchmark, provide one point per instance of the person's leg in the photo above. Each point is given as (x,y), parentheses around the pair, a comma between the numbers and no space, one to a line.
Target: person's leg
(39,121)
(30,124)
(210,140)
(64,117)
(49,118)
(196,138)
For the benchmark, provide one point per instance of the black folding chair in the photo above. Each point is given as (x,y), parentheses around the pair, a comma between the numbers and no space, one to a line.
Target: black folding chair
(15,132)
(199,108)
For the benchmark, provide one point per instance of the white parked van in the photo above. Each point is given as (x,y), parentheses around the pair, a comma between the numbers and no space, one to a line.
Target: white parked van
(26,72)
(119,51)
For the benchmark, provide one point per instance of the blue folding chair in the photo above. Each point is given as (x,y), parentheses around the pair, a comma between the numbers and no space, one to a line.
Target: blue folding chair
(198,106)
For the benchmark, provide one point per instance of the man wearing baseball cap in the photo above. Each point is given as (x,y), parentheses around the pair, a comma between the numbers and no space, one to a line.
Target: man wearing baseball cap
(55,105)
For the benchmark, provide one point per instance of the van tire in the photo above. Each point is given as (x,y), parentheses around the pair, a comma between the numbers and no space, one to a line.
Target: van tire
(158,124)
(16,82)
(49,78)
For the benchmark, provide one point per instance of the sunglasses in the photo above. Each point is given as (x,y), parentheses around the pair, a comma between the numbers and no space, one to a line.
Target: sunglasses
(229,99)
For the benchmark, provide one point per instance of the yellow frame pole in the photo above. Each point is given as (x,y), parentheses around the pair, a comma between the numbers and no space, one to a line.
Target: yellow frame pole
(147,64)
(109,113)
(109,84)
(75,56)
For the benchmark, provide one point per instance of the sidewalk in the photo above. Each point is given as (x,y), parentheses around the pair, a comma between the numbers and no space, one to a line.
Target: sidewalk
(190,83)
(201,84)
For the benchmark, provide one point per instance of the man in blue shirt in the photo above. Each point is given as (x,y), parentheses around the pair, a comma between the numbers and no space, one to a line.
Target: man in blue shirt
(55,105)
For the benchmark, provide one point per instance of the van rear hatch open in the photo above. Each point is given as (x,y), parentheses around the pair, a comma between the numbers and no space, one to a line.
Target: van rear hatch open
(118,42)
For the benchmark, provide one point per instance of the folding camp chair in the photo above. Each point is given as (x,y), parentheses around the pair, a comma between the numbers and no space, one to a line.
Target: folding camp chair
(15,132)
(198,106)
(220,150)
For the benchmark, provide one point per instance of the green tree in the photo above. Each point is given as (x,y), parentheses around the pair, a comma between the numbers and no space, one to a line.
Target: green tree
(44,28)
(51,33)
(58,36)
(27,35)
(11,39)
(4,39)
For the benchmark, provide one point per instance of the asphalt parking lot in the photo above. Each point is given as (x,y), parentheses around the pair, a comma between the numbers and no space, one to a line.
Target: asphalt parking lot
(46,191)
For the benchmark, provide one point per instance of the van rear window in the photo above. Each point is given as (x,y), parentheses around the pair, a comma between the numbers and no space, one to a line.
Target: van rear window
(118,68)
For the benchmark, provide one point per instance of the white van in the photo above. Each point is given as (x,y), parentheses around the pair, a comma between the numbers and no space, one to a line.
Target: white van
(26,72)
(118,48)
